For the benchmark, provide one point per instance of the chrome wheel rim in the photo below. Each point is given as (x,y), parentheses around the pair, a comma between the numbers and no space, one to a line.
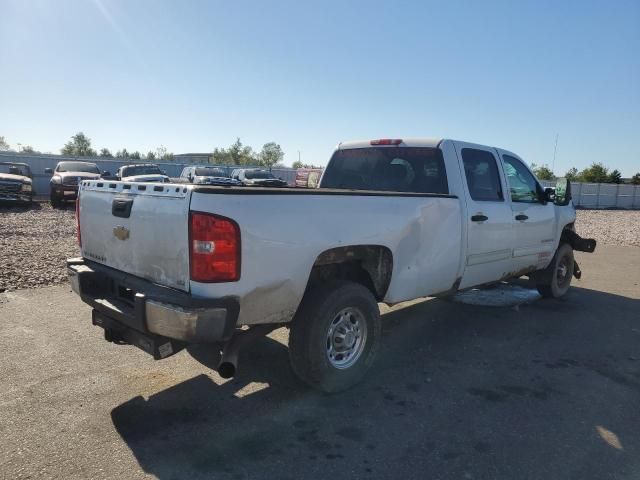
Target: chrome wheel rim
(563,275)
(346,338)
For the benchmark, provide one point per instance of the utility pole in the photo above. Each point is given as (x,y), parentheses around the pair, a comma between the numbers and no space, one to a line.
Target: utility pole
(555,150)
(299,156)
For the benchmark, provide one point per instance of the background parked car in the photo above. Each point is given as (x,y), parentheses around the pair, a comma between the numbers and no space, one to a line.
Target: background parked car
(308,177)
(15,182)
(257,177)
(141,172)
(65,179)
(207,176)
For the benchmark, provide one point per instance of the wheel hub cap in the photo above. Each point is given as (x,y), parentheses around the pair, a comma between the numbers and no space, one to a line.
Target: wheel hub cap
(346,338)
(563,275)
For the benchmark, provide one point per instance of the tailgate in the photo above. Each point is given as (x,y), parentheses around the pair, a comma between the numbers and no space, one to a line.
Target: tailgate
(138,228)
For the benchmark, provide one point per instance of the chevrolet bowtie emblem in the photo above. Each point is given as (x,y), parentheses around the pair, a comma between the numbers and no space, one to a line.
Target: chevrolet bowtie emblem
(120,232)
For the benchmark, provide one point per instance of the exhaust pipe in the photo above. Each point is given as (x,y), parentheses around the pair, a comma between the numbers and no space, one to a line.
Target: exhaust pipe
(229,361)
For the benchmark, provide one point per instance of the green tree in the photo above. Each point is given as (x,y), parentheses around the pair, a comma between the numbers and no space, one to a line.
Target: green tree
(270,155)
(543,172)
(596,173)
(161,151)
(168,156)
(4,146)
(572,174)
(151,156)
(636,179)
(122,153)
(135,155)
(241,154)
(105,153)
(236,154)
(615,177)
(297,164)
(219,156)
(28,149)
(79,146)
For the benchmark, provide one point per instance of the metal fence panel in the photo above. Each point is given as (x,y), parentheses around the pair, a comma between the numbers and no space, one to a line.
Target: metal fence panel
(624,196)
(39,162)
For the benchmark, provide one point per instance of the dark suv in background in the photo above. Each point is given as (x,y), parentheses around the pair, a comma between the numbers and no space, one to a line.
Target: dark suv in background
(15,182)
(66,177)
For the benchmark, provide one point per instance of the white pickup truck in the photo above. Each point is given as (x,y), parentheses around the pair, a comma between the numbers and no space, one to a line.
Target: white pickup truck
(165,265)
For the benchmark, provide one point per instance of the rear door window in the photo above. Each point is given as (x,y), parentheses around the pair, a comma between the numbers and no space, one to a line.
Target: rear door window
(393,169)
(483,178)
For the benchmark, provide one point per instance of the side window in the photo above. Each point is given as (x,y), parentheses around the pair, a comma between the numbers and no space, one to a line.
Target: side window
(483,179)
(522,184)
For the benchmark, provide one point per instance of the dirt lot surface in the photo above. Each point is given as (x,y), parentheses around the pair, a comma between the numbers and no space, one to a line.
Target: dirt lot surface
(34,244)
(611,227)
(36,241)
(550,390)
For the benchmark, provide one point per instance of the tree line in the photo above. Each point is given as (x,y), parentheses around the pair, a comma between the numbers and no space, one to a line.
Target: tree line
(594,173)
(80,145)
(272,155)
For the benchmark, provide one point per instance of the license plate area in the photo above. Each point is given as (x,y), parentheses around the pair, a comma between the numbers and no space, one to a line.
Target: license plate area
(156,346)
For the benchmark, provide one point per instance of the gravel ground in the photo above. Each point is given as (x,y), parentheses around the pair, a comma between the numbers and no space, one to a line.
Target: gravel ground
(610,227)
(36,241)
(34,245)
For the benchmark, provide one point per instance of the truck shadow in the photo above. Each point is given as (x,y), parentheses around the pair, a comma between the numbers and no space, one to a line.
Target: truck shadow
(457,389)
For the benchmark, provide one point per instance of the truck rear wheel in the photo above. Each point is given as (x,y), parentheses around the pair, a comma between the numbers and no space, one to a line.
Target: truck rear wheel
(556,280)
(335,336)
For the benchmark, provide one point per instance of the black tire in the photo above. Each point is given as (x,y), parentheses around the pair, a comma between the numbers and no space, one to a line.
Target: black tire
(309,339)
(556,279)
(54,200)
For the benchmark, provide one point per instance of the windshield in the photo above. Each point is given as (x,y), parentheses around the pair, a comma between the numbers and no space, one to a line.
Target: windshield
(258,174)
(15,169)
(77,167)
(140,170)
(393,169)
(210,172)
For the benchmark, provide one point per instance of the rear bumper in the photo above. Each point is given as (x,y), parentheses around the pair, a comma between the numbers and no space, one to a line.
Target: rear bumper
(129,306)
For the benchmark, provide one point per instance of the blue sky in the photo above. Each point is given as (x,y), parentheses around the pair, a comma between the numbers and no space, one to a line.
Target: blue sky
(194,75)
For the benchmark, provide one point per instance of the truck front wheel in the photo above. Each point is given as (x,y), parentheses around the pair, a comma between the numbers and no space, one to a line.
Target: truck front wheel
(556,279)
(335,335)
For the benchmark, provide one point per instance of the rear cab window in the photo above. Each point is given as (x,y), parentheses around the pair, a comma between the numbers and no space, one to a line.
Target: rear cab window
(483,178)
(391,169)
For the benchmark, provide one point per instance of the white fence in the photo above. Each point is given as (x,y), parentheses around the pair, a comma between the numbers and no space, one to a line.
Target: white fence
(603,195)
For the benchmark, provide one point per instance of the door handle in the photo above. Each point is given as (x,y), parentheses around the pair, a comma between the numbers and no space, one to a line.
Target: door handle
(479,218)
(521,217)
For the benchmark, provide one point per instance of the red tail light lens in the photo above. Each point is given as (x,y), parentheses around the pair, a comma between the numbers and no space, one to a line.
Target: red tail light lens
(79,237)
(386,141)
(214,248)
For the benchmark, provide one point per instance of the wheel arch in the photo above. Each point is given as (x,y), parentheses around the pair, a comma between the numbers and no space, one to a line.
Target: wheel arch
(370,265)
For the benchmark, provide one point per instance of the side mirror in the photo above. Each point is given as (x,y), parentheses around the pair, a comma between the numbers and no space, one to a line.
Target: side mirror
(106,173)
(549,194)
(164,172)
(562,192)
(48,171)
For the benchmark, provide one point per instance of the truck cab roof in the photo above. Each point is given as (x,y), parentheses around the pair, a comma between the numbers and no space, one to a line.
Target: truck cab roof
(405,142)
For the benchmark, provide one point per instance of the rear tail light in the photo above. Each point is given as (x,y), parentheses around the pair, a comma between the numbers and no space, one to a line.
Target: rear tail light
(214,248)
(386,141)
(79,237)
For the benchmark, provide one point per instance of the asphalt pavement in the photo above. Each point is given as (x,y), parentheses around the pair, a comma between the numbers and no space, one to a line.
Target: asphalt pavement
(544,390)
